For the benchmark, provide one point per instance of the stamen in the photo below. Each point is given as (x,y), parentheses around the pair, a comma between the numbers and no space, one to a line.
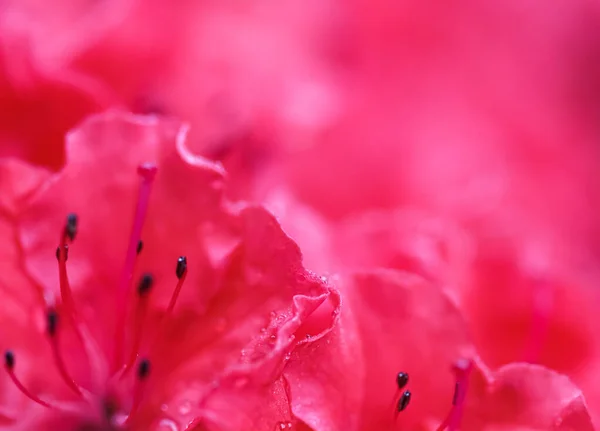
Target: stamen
(62,253)
(181,273)
(143,290)
(9,366)
(401,380)
(143,371)
(403,401)
(147,173)
(71,227)
(462,370)
(69,310)
(52,330)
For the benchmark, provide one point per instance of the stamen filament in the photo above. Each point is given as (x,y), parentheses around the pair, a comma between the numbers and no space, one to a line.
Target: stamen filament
(462,370)
(140,385)
(147,172)
(68,304)
(181,272)
(52,329)
(144,288)
(9,366)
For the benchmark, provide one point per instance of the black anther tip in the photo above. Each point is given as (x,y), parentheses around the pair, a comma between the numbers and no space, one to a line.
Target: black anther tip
(51,321)
(403,401)
(181,268)
(140,247)
(401,379)
(143,369)
(9,359)
(145,284)
(71,226)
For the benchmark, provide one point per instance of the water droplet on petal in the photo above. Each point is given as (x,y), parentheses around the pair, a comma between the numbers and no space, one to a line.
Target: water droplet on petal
(164,407)
(167,425)
(283,426)
(185,408)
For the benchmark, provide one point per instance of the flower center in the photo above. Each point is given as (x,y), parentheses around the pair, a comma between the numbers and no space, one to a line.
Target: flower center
(125,354)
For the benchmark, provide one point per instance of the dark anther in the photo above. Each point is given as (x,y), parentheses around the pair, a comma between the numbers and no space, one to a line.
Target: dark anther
(66,248)
(71,226)
(143,369)
(140,246)
(51,321)
(9,359)
(145,284)
(403,401)
(402,379)
(181,266)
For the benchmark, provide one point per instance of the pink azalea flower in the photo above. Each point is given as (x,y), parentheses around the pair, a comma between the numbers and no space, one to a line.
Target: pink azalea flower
(468,121)
(128,336)
(236,335)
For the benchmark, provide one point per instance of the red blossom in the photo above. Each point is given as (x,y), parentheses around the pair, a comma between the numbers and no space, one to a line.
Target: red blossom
(471,120)
(245,306)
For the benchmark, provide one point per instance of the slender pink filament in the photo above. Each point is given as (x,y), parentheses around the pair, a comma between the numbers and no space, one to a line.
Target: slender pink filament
(24,390)
(175,295)
(140,316)
(138,393)
(164,320)
(147,172)
(463,371)
(60,365)
(69,309)
(65,288)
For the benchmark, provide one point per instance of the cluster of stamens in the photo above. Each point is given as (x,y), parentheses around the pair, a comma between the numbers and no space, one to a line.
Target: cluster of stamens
(462,371)
(66,310)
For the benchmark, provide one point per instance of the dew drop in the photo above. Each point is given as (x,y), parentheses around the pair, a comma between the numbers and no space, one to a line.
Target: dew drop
(164,408)
(167,425)
(282,426)
(185,408)
(308,336)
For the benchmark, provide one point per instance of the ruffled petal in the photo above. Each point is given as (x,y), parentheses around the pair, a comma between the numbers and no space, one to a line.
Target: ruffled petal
(525,396)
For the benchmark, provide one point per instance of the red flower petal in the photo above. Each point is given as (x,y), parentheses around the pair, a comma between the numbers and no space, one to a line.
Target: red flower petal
(247,298)
(38,105)
(526,396)
(545,315)
(327,375)
(390,321)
